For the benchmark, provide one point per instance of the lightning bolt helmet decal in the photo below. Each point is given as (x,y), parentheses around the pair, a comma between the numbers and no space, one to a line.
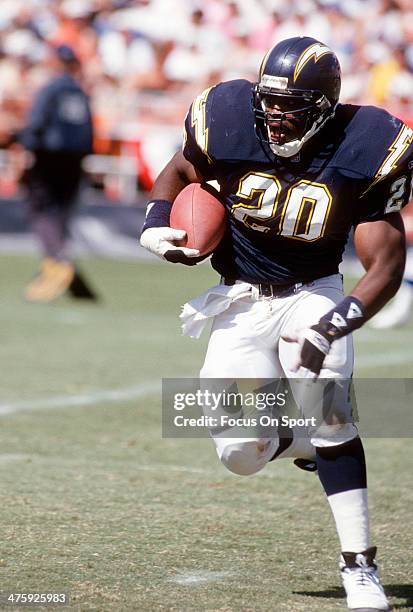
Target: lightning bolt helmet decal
(314,51)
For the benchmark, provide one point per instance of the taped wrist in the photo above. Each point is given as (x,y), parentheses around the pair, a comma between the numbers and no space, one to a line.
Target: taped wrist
(157,214)
(344,318)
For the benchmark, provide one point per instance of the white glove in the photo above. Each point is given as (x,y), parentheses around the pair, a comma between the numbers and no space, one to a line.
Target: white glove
(160,241)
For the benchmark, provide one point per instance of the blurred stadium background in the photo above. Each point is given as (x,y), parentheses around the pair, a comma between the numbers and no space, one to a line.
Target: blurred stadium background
(92,500)
(145,60)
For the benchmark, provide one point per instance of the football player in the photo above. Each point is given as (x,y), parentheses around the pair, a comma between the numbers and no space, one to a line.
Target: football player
(297,172)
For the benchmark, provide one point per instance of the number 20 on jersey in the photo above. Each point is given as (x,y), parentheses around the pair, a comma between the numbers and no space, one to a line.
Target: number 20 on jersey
(304,213)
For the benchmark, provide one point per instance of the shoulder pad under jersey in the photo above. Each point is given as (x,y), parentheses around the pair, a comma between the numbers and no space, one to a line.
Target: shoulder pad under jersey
(375,142)
(220,126)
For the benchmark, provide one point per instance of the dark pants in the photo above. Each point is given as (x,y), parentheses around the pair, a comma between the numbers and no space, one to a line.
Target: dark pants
(52,187)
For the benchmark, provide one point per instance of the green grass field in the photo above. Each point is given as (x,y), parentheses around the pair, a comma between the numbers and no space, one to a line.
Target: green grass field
(94,503)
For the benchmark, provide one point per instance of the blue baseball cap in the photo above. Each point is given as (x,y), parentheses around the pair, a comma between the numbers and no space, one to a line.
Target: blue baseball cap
(66,54)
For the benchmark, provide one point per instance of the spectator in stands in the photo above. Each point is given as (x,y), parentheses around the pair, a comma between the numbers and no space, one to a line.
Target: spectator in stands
(144,60)
(384,73)
(58,135)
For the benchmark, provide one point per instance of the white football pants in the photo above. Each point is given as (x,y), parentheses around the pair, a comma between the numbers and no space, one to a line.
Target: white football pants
(246,342)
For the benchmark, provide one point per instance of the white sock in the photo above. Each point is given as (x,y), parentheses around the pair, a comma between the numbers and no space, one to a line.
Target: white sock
(351,514)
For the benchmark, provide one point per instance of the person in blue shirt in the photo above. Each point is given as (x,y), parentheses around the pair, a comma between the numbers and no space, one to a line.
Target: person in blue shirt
(58,133)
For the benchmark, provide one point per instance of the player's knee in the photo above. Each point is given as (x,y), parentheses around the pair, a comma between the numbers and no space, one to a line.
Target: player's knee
(245,458)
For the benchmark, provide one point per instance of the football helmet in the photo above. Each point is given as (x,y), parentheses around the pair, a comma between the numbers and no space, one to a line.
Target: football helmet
(297,92)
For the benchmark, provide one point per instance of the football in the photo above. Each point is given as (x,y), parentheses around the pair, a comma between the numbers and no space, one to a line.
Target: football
(197,211)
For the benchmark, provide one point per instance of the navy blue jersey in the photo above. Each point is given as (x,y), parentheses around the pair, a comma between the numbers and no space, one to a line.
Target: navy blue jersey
(60,119)
(290,218)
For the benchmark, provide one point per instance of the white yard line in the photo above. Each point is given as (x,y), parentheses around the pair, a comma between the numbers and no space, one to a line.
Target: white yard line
(10,457)
(158,467)
(84,399)
(218,473)
(166,468)
(199,577)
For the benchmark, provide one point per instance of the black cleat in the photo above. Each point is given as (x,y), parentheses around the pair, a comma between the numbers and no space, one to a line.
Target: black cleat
(80,289)
(308,465)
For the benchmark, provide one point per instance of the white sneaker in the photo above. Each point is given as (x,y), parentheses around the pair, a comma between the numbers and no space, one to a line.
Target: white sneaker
(362,583)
